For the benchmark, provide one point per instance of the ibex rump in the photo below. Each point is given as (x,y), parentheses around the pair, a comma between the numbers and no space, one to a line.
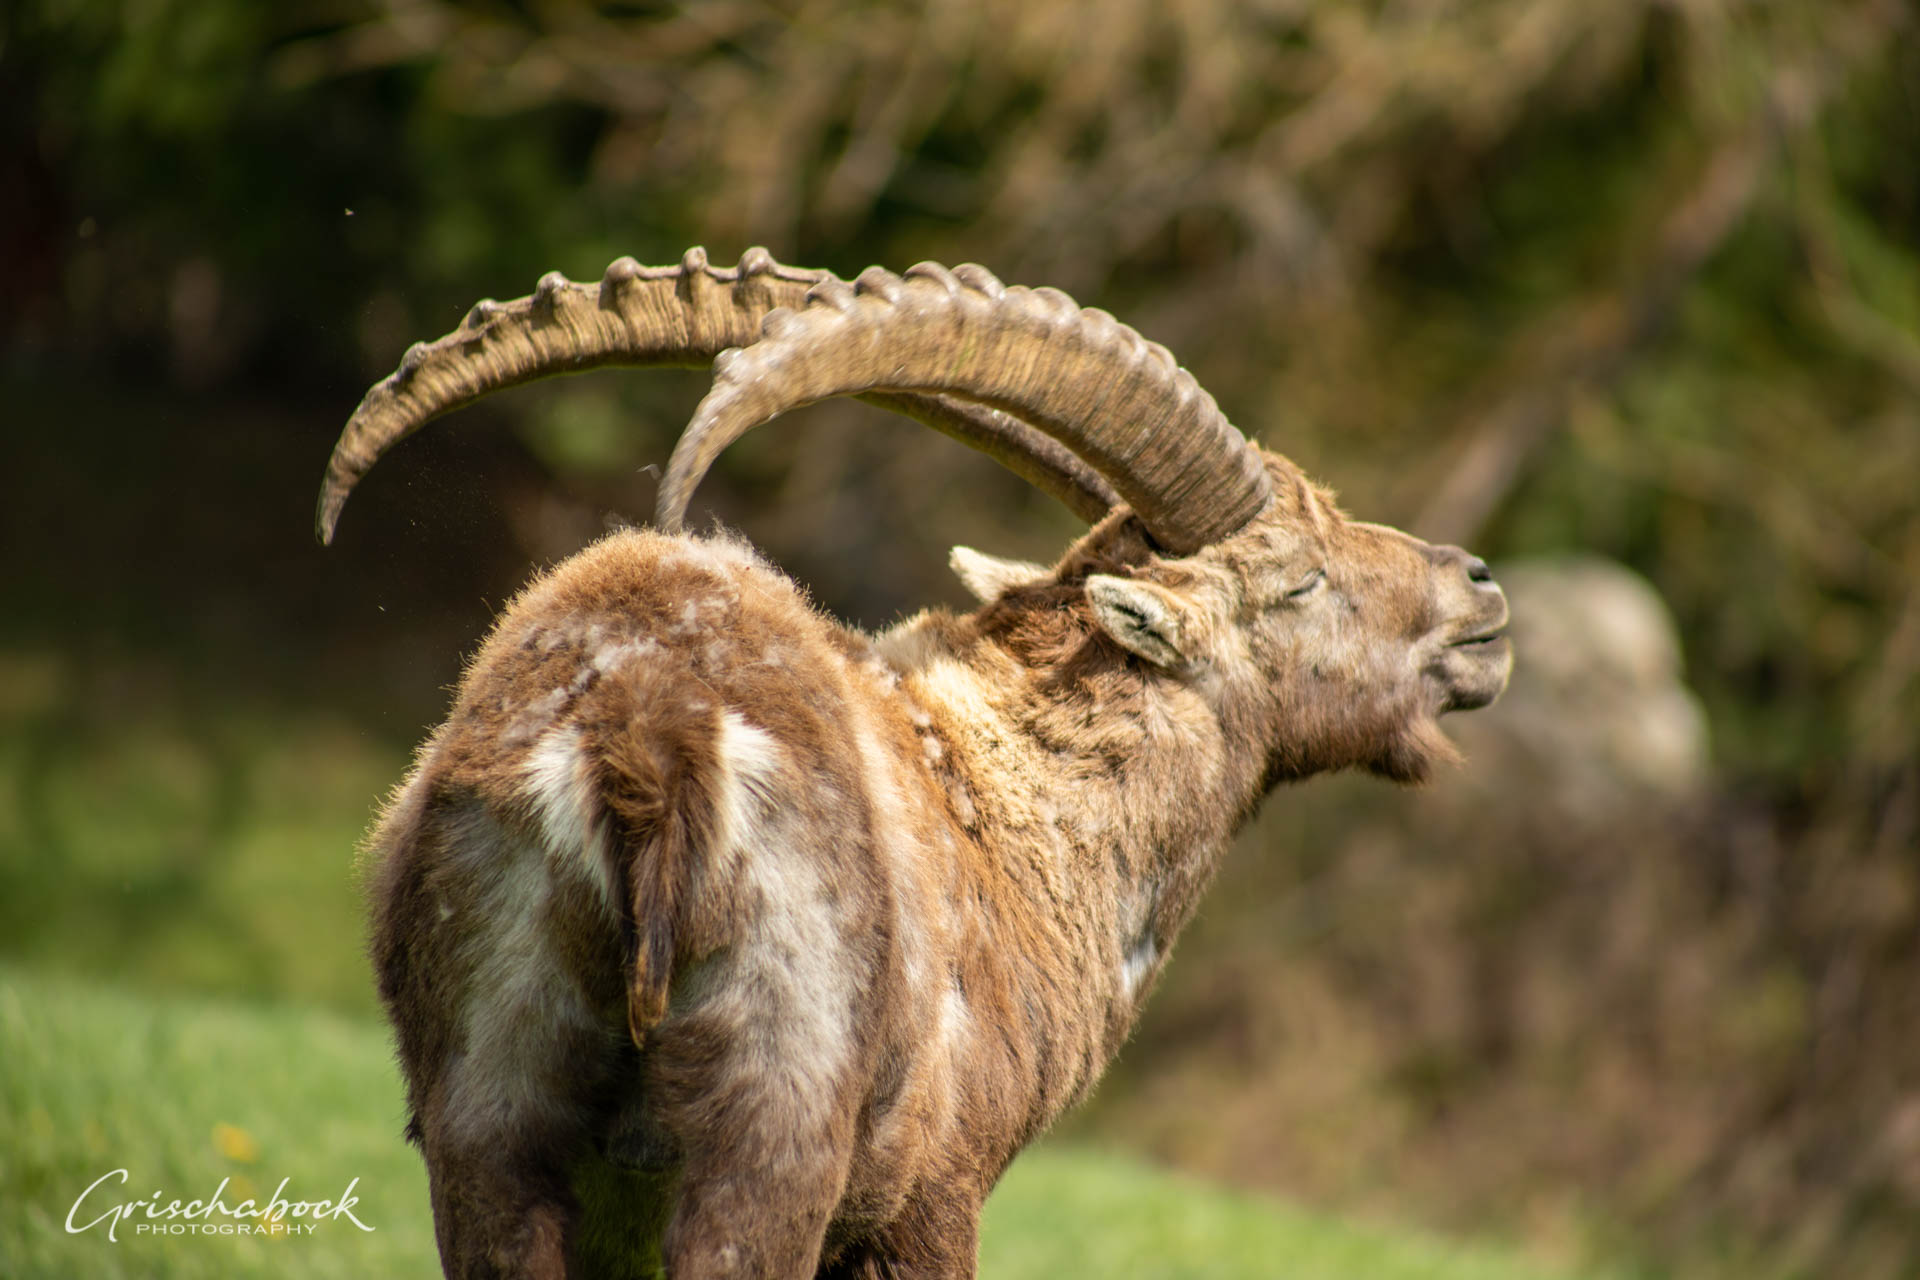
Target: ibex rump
(815,929)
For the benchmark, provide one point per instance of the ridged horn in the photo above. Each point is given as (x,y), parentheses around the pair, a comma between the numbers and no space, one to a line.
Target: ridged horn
(1079,375)
(1032,455)
(647,316)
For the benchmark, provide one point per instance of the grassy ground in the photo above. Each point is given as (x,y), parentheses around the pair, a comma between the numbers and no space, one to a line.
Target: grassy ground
(163,840)
(186,1092)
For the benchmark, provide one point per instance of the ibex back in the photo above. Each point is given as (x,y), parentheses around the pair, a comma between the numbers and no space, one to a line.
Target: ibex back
(720,937)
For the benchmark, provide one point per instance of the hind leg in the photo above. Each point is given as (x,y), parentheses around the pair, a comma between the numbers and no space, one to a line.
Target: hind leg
(935,1237)
(503,1128)
(508,1051)
(768,1221)
(499,1210)
(759,1074)
(768,1138)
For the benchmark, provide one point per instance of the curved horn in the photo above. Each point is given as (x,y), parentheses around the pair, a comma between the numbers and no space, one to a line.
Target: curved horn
(640,316)
(1076,374)
(1034,456)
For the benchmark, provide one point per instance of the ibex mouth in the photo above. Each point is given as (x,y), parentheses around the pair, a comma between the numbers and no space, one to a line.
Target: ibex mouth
(1478,674)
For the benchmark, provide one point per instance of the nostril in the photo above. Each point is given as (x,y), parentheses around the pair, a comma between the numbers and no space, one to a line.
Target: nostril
(1477,571)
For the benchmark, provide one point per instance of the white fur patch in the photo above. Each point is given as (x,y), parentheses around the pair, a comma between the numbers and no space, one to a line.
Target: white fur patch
(537,715)
(947,681)
(910,645)
(1140,957)
(1139,964)
(719,553)
(751,759)
(517,999)
(533,718)
(610,658)
(787,990)
(560,787)
(795,950)
(954,1014)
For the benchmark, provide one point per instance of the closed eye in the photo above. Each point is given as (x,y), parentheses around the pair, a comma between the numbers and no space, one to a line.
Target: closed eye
(1307,586)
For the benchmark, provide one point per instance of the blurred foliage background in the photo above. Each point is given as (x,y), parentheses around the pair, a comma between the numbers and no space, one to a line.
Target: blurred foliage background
(1636,280)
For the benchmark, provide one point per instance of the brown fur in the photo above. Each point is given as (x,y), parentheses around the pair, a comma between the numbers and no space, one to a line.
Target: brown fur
(821,929)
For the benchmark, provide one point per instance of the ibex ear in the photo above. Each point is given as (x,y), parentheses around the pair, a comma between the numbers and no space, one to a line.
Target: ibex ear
(1146,619)
(988,577)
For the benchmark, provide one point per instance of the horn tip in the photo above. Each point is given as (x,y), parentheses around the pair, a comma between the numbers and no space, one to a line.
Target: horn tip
(326,514)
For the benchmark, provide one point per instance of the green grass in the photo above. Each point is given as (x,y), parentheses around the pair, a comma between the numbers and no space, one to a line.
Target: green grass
(96,1080)
(184,1092)
(1063,1212)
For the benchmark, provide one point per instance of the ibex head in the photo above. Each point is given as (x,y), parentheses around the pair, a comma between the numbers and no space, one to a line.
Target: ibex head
(1215,561)
(1342,641)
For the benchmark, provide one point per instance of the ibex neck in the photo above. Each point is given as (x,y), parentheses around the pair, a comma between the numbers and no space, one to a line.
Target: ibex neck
(1098,792)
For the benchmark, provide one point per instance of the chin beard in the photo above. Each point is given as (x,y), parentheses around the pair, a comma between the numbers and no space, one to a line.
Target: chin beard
(1414,754)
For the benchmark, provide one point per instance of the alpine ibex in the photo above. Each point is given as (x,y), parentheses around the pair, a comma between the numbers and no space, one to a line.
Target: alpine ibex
(720,937)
